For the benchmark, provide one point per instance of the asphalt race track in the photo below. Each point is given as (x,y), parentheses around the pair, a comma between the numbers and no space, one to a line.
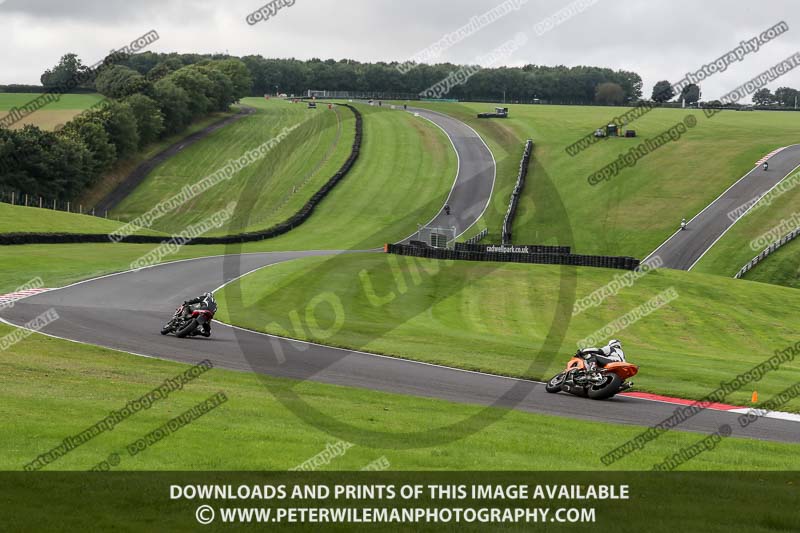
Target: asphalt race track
(685,248)
(125,312)
(473,186)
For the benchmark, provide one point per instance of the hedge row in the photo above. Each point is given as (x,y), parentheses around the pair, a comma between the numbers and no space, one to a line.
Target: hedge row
(508,222)
(601,261)
(295,220)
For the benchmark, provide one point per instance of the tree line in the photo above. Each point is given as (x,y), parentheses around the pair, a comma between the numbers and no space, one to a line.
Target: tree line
(782,97)
(138,110)
(153,95)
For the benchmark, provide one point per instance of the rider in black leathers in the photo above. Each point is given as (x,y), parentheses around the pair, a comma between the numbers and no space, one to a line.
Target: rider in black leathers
(207,302)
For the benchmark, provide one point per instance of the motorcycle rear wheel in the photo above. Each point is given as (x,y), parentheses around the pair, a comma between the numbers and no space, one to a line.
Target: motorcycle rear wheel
(190,327)
(609,388)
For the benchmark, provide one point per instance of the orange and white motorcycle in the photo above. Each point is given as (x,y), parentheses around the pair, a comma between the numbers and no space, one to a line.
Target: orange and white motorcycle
(599,383)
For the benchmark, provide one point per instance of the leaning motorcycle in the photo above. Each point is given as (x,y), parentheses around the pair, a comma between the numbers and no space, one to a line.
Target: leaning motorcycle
(598,384)
(187,321)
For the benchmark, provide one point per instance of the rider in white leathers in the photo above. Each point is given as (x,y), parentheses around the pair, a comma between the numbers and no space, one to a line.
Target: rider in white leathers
(610,353)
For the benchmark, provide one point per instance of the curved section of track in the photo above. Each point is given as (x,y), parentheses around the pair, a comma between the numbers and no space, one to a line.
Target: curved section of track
(685,248)
(125,311)
(474,183)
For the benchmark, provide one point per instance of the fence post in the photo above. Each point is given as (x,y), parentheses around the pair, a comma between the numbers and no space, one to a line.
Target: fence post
(40,202)
(68,206)
(26,200)
(12,198)
(80,208)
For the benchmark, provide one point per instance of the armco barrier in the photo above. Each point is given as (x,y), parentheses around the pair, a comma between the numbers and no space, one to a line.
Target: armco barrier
(601,261)
(769,250)
(279,229)
(477,238)
(508,221)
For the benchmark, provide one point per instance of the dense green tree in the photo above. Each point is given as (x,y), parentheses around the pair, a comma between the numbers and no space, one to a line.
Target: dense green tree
(93,135)
(786,96)
(149,120)
(663,92)
(691,94)
(119,81)
(67,75)
(237,72)
(120,124)
(174,105)
(198,87)
(221,94)
(763,97)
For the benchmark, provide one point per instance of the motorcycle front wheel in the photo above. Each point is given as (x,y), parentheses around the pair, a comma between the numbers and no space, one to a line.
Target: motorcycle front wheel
(554,385)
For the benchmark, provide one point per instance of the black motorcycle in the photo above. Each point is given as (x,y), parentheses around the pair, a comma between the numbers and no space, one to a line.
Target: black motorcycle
(187,322)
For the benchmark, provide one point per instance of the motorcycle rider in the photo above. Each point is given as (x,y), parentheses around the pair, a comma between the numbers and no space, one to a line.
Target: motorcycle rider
(766,166)
(610,353)
(207,302)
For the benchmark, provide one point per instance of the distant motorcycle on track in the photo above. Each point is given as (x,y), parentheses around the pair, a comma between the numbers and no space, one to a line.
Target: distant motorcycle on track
(599,384)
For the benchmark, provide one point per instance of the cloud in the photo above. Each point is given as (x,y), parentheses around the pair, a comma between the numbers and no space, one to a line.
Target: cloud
(657,40)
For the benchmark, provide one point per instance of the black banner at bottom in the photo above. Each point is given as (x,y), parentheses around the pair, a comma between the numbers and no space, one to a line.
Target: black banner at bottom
(400,501)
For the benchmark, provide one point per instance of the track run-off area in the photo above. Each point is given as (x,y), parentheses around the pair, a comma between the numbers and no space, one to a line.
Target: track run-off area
(125,311)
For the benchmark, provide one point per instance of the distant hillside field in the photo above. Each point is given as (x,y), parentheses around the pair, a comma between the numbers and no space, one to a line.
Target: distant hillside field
(51,115)
(635,211)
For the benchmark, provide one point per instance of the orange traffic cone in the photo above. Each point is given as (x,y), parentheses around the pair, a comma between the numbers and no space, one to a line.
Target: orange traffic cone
(754,399)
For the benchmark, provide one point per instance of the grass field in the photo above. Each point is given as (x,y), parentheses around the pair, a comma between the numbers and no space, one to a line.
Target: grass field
(780,268)
(634,212)
(404,172)
(53,114)
(496,318)
(402,178)
(122,169)
(18,219)
(273,188)
(53,389)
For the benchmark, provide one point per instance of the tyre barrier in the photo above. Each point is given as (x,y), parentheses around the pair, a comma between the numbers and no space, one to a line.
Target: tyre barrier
(508,221)
(279,229)
(599,261)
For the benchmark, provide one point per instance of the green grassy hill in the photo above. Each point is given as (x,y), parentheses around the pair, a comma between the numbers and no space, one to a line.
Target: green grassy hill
(496,317)
(404,172)
(780,268)
(18,219)
(274,187)
(635,211)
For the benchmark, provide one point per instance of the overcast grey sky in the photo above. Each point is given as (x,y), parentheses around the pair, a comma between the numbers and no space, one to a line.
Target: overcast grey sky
(659,40)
